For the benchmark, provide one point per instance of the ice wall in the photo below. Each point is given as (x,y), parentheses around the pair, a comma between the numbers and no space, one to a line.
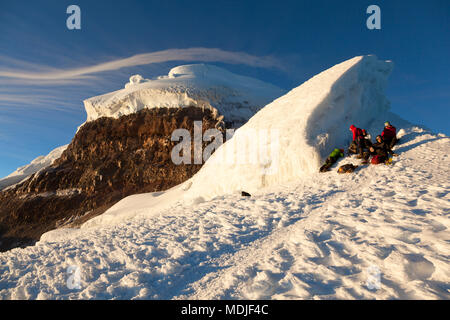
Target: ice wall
(290,137)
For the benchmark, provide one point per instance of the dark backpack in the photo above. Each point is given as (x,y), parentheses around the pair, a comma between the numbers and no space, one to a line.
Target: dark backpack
(347,168)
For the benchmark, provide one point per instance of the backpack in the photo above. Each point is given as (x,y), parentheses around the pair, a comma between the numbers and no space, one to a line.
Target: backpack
(377,159)
(347,168)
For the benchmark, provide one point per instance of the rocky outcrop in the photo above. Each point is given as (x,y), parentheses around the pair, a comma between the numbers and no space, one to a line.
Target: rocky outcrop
(107,160)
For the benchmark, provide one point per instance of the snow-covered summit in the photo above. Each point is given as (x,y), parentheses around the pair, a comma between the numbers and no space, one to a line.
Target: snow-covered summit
(235,97)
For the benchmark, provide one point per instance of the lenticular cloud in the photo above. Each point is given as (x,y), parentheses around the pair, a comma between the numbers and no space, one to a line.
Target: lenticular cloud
(191,54)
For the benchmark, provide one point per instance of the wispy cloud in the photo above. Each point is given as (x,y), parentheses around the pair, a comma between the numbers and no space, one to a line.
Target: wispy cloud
(23,83)
(50,75)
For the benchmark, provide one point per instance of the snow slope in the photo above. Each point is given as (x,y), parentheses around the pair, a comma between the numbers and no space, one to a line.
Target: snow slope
(235,97)
(316,238)
(37,164)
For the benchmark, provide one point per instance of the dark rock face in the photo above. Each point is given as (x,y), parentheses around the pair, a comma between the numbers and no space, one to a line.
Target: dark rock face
(107,160)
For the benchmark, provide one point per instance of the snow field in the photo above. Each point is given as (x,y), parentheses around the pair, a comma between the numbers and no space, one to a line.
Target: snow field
(309,239)
(392,218)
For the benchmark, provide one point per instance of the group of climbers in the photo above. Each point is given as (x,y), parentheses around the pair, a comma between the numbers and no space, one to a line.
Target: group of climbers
(362,146)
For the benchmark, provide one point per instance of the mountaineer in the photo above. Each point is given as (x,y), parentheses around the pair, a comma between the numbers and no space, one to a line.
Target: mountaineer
(332,158)
(389,134)
(359,140)
(380,151)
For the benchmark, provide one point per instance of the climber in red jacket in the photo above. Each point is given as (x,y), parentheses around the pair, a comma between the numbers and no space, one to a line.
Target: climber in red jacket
(357,132)
(359,139)
(389,134)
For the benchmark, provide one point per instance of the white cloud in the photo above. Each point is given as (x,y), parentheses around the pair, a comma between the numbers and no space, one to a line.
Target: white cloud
(54,75)
(23,83)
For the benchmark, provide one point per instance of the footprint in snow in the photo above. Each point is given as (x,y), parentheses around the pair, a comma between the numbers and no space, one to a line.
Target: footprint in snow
(418,268)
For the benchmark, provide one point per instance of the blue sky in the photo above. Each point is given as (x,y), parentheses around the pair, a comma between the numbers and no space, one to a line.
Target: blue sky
(282,42)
